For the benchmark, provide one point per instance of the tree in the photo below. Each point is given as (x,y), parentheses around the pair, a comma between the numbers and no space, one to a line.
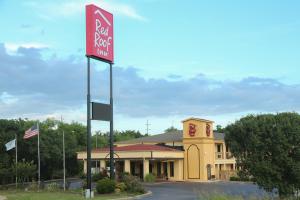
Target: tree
(171,129)
(267,148)
(26,171)
(219,129)
(51,147)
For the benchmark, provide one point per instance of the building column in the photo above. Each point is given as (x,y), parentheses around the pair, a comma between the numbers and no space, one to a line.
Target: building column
(179,169)
(84,166)
(102,164)
(146,167)
(127,166)
(224,150)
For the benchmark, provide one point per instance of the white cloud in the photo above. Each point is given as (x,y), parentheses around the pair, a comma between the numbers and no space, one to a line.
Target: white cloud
(48,88)
(11,48)
(7,98)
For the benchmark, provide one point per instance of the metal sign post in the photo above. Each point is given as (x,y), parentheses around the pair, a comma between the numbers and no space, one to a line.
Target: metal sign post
(99,46)
(111,146)
(88,150)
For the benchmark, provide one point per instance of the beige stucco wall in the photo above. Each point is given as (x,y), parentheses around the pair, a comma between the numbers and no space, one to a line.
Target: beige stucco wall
(198,149)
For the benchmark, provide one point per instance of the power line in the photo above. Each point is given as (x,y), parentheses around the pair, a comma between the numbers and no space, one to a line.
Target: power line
(147,127)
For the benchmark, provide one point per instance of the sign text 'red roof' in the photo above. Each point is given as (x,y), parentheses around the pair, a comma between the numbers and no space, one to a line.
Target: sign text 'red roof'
(99,34)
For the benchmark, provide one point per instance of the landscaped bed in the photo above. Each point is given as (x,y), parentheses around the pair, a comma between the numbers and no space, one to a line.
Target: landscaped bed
(57,195)
(127,186)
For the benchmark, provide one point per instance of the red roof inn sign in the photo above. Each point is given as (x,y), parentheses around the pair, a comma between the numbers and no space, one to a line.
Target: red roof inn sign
(100,46)
(99,34)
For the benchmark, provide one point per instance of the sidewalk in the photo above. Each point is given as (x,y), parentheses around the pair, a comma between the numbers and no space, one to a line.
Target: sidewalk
(2,197)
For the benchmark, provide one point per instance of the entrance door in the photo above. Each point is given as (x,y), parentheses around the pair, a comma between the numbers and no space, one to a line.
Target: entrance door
(165,166)
(141,170)
(159,169)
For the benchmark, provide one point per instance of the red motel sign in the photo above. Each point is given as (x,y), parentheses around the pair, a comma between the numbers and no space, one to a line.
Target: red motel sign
(192,129)
(207,130)
(99,34)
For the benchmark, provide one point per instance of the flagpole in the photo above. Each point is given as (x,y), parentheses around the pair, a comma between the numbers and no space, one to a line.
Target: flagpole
(39,159)
(16,161)
(64,155)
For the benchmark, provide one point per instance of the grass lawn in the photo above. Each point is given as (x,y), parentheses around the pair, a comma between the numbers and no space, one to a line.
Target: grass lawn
(42,195)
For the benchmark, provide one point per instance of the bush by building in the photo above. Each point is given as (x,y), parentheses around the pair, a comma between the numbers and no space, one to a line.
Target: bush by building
(105,186)
(99,176)
(121,187)
(133,184)
(150,178)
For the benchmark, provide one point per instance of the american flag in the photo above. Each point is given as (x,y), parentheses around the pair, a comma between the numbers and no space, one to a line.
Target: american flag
(33,131)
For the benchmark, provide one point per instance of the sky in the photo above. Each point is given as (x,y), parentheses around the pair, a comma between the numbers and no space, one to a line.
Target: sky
(218,60)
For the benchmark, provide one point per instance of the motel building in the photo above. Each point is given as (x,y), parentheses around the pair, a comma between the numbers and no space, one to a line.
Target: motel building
(194,154)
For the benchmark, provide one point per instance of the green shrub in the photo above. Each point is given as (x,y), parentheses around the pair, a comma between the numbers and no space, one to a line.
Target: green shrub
(122,175)
(121,186)
(33,186)
(82,175)
(105,186)
(52,187)
(244,179)
(133,184)
(150,178)
(3,187)
(57,174)
(84,185)
(234,178)
(99,176)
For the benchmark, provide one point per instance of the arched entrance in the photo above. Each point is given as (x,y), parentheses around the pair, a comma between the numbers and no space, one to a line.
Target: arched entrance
(193,162)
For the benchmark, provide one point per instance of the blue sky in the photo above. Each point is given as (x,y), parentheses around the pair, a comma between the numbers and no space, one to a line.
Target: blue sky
(213,59)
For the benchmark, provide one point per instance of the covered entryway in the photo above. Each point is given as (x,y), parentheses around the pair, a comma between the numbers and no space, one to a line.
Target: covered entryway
(141,159)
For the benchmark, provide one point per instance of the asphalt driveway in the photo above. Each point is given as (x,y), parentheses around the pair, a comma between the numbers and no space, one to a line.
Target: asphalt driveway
(191,191)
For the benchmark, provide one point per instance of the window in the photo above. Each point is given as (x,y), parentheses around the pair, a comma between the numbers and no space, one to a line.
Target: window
(150,168)
(171,169)
(219,148)
(159,168)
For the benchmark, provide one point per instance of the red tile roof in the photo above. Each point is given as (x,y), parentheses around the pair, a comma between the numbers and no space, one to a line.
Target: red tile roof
(137,147)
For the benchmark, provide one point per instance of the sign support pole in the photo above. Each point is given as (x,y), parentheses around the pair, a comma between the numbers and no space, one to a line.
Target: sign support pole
(89,184)
(111,143)
(16,144)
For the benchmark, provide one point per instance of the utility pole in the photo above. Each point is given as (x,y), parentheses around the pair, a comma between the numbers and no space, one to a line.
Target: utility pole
(147,127)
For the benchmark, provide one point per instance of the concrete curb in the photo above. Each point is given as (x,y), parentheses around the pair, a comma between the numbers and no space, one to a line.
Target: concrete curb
(148,193)
(156,183)
(185,181)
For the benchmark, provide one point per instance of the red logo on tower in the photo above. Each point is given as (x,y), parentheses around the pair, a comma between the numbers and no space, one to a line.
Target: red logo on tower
(192,129)
(207,130)
(99,34)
